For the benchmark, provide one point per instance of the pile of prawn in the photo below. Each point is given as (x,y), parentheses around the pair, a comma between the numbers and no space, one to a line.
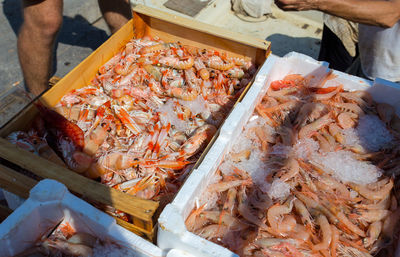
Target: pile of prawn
(321,215)
(65,241)
(146,116)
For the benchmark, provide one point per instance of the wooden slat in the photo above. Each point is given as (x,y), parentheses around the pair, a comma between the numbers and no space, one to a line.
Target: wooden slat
(139,208)
(15,182)
(4,212)
(202,27)
(139,231)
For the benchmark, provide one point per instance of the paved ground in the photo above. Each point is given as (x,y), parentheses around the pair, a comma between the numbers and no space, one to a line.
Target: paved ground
(84,30)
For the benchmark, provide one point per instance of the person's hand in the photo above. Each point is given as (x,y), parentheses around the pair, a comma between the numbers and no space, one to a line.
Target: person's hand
(297,5)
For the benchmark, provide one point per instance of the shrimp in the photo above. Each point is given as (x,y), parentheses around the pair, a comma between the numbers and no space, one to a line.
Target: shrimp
(381,205)
(201,68)
(309,129)
(372,215)
(195,143)
(355,229)
(287,224)
(309,112)
(304,214)
(269,242)
(191,220)
(345,120)
(95,139)
(326,96)
(275,213)
(288,249)
(176,63)
(229,205)
(153,71)
(244,211)
(69,248)
(323,143)
(373,233)
(186,95)
(216,63)
(290,170)
(380,194)
(336,132)
(335,240)
(235,73)
(213,231)
(225,185)
(346,107)
(157,48)
(299,232)
(326,229)
(362,98)
(127,120)
(315,205)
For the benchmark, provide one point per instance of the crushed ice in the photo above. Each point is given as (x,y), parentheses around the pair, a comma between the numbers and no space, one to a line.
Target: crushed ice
(279,189)
(371,133)
(348,169)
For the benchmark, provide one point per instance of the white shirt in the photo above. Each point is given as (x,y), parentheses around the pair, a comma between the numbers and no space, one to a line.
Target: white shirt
(380,51)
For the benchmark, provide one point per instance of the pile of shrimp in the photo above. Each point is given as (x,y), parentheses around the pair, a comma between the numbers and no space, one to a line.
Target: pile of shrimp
(65,241)
(291,204)
(145,117)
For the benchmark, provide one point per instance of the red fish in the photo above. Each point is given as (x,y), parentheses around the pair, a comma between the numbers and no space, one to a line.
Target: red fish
(68,129)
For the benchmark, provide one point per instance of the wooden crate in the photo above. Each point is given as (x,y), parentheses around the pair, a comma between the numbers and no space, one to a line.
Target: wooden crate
(146,21)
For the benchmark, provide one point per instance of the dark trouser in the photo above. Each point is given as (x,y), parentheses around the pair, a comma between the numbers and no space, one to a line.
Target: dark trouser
(333,51)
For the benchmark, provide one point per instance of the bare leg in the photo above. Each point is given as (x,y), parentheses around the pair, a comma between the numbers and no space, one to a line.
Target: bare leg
(42,21)
(115,12)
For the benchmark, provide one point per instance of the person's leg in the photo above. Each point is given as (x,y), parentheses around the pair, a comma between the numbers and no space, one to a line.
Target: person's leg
(115,12)
(42,21)
(333,51)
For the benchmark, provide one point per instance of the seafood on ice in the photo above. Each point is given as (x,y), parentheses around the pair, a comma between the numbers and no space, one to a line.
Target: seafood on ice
(146,116)
(64,240)
(313,173)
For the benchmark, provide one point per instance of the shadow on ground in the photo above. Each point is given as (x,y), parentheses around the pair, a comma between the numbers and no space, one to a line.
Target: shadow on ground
(282,44)
(75,31)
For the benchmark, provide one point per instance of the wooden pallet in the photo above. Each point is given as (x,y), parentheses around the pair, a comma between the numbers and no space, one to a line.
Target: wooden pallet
(146,22)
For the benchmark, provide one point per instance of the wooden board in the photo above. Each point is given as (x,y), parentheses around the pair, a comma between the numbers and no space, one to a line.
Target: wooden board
(146,21)
(4,212)
(188,7)
(16,183)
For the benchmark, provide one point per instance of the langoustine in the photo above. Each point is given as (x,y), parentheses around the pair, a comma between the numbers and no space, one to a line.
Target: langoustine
(146,115)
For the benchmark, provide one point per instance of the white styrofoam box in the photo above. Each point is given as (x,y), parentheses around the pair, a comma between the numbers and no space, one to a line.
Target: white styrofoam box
(172,232)
(13,200)
(49,203)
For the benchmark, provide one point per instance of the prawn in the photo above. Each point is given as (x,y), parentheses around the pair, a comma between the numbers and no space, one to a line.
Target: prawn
(195,143)
(126,119)
(304,213)
(176,63)
(201,68)
(380,194)
(309,129)
(275,213)
(216,63)
(373,233)
(326,230)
